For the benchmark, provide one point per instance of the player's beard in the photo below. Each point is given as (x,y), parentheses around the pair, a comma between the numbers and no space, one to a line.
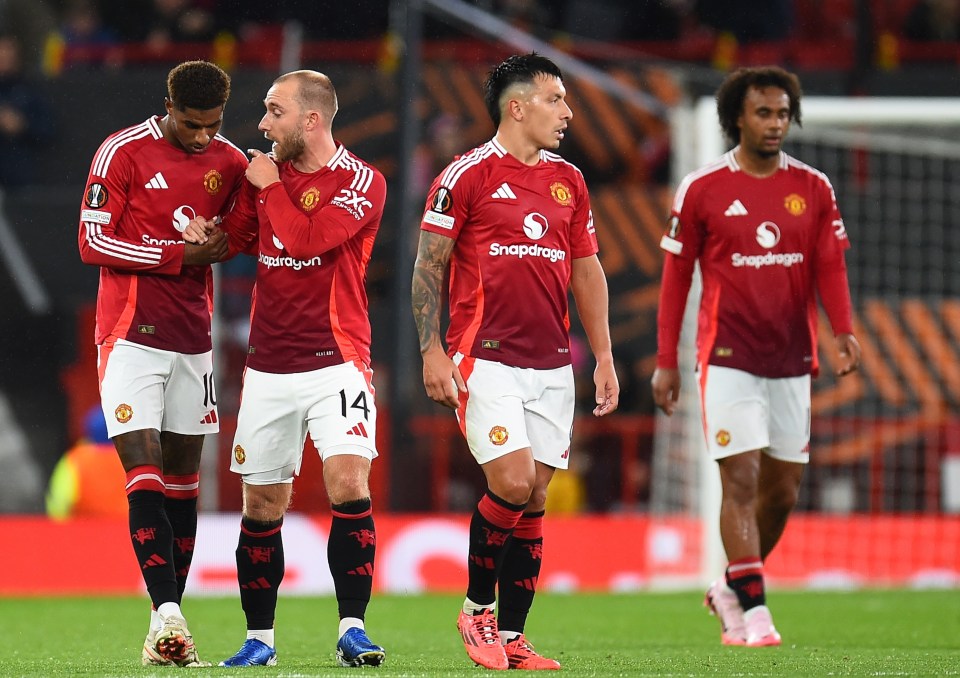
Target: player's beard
(291,147)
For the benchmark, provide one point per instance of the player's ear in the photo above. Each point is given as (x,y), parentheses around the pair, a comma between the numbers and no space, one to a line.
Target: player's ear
(514,109)
(314,120)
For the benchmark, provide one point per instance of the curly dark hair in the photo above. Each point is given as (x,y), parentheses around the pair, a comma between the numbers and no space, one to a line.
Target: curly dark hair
(523,68)
(733,92)
(200,85)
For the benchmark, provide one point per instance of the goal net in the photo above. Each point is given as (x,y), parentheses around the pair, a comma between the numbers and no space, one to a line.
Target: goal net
(880,499)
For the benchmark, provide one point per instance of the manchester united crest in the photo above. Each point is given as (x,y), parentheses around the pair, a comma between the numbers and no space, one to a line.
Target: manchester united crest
(239,454)
(723,438)
(212,181)
(123,413)
(310,199)
(498,435)
(795,204)
(561,193)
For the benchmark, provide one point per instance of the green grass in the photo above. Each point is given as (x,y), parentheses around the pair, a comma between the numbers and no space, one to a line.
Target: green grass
(871,633)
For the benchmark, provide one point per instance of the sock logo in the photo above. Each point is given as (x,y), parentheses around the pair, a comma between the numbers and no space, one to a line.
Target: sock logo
(482,561)
(185,544)
(495,537)
(365,537)
(144,534)
(365,570)
(153,561)
(530,583)
(259,554)
(536,550)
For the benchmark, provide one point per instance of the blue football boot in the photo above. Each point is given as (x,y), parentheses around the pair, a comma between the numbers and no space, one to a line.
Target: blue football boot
(253,653)
(355,649)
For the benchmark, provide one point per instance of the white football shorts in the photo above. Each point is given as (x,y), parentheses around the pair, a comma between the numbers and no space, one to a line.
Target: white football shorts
(149,388)
(334,404)
(743,412)
(509,408)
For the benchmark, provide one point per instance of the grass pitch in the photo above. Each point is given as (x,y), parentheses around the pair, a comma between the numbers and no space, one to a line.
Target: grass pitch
(870,633)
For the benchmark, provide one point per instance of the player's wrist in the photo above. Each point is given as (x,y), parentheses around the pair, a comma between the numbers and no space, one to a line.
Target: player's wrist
(667,362)
(604,358)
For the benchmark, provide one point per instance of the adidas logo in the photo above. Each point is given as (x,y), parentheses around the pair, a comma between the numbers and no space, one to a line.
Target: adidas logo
(211,418)
(154,560)
(504,193)
(157,181)
(365,570)
(358,430)
(736,209)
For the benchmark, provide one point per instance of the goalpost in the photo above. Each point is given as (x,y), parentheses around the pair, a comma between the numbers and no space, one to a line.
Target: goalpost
(885,445)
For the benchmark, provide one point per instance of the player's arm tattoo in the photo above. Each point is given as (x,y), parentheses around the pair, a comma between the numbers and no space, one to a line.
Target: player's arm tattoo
(433,256)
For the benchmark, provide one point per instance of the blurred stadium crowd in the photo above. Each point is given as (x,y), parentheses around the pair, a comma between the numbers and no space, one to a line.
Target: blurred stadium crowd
(692,27)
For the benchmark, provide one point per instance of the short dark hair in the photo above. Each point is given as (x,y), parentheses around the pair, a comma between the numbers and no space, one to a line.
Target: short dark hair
(523,68)
(733,91)
(200,85)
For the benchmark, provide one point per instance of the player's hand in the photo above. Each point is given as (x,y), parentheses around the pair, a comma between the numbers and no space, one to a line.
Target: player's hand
(666,388)
(262,170)
(608,388)
(210,252)
(441,378)
(849,349)
(197,230)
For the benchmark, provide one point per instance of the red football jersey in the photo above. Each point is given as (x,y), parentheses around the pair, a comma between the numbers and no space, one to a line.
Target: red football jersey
(760,243)
(517,229)
(141,193)
(313,235)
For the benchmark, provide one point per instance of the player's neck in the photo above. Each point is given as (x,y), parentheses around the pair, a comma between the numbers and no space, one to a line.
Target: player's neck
(520,148)
(315,156)
(756,165)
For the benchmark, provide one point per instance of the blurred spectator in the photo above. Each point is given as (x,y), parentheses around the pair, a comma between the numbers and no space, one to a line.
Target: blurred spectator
(748,20)
(530,16)
(625,19)
(179,21)
(443,140)
(25,117)
(81,24)
(32,22)
(160,22)
(338,20)
(933,21)
(89,480)
(85,38)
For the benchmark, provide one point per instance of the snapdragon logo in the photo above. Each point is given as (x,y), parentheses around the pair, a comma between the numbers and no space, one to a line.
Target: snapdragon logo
(785,259)
(287,262)
(159,242)
(535,225)
(521,251)
(768,234)
(182,216)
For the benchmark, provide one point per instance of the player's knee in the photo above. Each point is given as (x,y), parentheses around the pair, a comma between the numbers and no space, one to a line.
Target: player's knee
(514,490)
(781,498)
(265,503)
(538,499)
(348,490)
